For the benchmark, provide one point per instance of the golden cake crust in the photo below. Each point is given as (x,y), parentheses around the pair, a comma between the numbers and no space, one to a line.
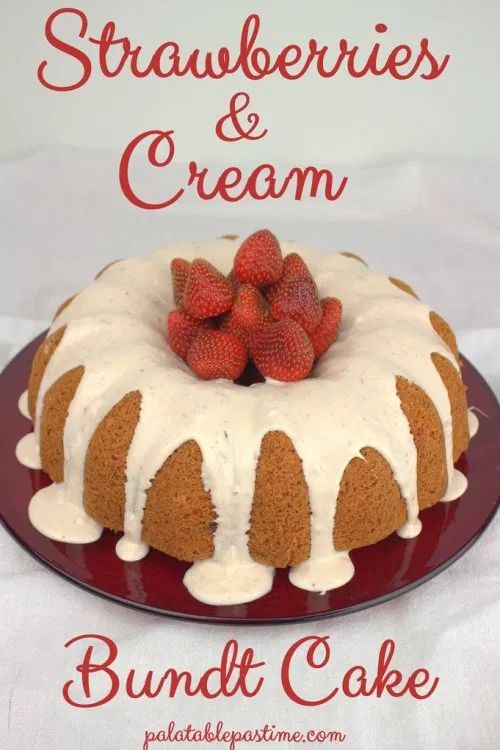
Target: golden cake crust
(38,366)
(105,268)
(179,518)
(403,286)
(63,306)
(369,504)
(279,528)
(54,413)
(458,402)
(348,254)
(444,331)
(427,432)
(106,460)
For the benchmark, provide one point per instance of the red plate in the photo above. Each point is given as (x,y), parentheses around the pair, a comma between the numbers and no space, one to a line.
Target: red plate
(383,570)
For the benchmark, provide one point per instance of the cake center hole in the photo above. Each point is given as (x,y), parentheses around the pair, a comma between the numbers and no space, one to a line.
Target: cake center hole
(250,376)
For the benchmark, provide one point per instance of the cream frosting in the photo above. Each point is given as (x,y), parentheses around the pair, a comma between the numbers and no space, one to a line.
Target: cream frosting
(27,452)
(456,487)
(473,423)
(53,515)
(115,328)
(23,405)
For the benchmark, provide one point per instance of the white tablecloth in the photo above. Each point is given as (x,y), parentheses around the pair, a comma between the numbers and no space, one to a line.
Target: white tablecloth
(434,224)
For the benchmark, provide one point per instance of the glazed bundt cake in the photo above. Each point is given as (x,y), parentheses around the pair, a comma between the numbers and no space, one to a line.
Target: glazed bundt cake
(241,480)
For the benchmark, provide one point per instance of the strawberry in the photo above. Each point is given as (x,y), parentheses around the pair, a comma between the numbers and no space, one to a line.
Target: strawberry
(249,311)
(294,265)
(179,269)
(208,292)
(183,329)
(259,260)
(282,351)
(217,354)
(235,283)
(298,299)
(326,332)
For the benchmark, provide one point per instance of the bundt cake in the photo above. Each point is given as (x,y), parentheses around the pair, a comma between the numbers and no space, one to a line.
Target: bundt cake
(241,480)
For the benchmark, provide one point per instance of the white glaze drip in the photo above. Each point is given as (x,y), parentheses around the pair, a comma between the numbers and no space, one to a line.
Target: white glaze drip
(473,423)
(323,573)
(456,487)
(53,516)
(116,331)
(27,452)
(228,581)
(410,529)
(129,550)
(23,405)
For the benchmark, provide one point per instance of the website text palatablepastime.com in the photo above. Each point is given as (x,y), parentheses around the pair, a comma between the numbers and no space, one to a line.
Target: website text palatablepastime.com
(232,738)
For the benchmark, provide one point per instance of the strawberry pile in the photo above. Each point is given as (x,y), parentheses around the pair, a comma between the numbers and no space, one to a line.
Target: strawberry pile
(267,312)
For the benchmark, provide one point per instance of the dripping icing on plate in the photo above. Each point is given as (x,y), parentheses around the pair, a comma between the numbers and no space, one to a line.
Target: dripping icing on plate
(27,452)
(23,405)
(473,423)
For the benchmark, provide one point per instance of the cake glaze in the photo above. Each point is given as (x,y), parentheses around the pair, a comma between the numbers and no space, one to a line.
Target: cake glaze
(115,330)
(23,405)
(473,423)
(27,452)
